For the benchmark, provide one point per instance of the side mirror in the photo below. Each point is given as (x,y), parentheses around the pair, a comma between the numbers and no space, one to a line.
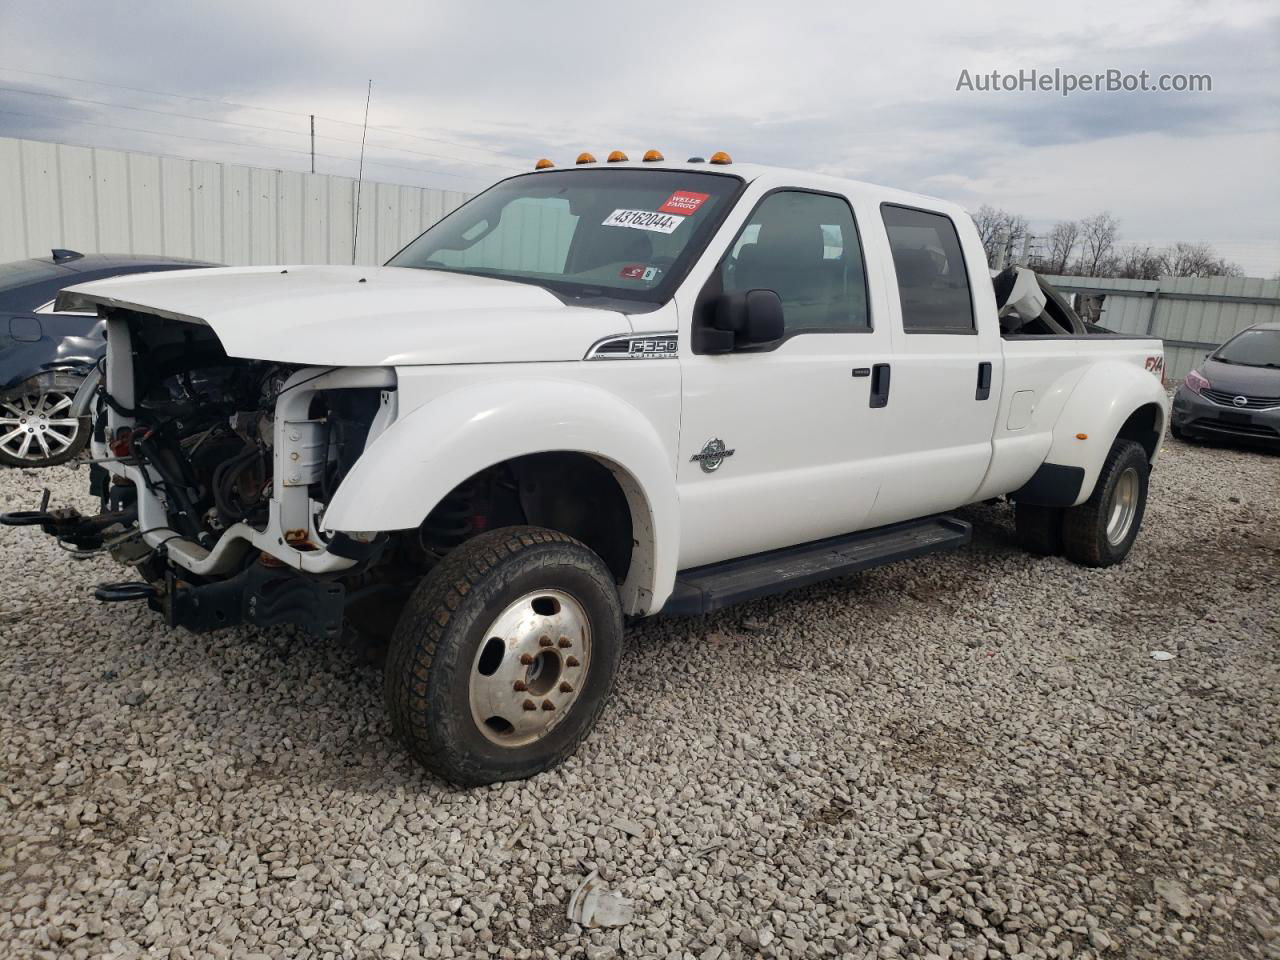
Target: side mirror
(744,319)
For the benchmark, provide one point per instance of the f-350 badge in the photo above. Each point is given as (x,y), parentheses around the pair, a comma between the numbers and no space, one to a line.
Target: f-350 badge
(711,455)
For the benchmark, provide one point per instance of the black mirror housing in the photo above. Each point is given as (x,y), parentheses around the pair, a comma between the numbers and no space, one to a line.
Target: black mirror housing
(751,318)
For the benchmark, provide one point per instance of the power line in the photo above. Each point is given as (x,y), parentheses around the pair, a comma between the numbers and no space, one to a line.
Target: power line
(249,106)
(248,126)
(233,143)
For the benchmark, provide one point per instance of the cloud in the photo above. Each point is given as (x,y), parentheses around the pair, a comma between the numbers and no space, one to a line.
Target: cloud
(855,91)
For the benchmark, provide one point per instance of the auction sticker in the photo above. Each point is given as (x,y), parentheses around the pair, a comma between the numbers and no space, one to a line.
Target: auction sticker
(684,202)
(638,271)
(643,220)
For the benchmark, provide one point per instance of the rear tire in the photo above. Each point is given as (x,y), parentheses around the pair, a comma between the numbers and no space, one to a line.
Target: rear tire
(1038,529)
(1101,531)
(504,656)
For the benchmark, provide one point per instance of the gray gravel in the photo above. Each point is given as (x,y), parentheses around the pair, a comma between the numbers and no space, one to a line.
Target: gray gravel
(973,755)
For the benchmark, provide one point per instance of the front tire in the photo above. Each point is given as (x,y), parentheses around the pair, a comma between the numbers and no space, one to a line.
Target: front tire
(504,656)
(1101,531)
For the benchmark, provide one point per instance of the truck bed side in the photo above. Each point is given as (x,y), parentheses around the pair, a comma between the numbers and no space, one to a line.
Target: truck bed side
(1064,401)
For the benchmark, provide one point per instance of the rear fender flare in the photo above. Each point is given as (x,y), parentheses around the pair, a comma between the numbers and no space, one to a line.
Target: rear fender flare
(419,459)
(1103,399)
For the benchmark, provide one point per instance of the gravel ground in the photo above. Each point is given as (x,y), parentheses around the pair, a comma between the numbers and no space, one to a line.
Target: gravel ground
(971,755)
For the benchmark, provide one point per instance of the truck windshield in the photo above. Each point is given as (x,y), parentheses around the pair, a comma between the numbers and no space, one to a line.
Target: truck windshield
(630,234)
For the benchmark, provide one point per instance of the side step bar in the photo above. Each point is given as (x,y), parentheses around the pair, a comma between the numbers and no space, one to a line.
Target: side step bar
(704,589)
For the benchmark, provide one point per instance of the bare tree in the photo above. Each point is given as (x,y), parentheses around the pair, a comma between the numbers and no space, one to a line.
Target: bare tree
(1000,231)
(987,220)
(1098,236)
(1198,260)
(1062,246)
(1138,262)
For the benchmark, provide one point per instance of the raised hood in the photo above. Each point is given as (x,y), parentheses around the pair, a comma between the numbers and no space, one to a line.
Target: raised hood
(360,316)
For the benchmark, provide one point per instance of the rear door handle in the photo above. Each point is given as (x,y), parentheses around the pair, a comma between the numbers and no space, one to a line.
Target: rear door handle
(984,382)
(880,385)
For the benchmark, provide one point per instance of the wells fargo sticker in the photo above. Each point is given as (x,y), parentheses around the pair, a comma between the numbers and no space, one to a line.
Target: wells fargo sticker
(643,220)
(684,202)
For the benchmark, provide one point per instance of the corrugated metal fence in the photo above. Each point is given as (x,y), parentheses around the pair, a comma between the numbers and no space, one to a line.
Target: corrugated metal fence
(1191,314)
(109,201)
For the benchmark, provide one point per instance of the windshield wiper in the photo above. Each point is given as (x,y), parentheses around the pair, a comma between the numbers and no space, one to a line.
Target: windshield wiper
(1242,363)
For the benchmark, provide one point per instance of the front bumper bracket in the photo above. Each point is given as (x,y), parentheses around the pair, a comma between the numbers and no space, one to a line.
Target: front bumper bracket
(262,596)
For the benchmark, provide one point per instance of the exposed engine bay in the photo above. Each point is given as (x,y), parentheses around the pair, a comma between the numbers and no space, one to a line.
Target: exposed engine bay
(199,428)
(214,474)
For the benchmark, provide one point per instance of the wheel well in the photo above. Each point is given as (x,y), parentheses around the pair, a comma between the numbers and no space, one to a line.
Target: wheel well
(572,493)
(1144,427)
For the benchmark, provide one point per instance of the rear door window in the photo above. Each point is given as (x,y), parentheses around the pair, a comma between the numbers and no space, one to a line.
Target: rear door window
(933,284)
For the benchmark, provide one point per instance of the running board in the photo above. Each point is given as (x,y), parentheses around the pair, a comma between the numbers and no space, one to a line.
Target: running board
(703,589)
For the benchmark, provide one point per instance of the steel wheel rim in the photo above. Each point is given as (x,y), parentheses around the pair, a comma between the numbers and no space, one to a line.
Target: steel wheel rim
(37,426)
(1124,507)
(530,667)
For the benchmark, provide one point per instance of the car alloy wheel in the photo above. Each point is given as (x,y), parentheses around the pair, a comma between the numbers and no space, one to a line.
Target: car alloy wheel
(38,429)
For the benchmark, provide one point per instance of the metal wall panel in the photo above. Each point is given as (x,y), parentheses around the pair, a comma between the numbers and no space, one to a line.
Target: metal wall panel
(110,201)
(76,184)
(1192,314)
(38,168)
(176,214)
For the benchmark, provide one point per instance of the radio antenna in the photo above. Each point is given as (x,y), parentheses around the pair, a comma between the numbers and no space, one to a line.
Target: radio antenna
(355,231)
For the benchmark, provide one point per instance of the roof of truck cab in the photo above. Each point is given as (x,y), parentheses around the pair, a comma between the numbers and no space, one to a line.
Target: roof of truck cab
(756,171)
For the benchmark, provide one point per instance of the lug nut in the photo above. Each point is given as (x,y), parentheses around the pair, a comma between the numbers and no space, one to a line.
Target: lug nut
(548,705)
(521,686)
(571,662)
(530,705)
(544,641)
(566,686)
(564,643)
(526,658)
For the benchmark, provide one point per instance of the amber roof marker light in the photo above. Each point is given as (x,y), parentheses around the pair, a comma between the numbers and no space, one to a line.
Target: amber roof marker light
(585,157)
(617,157)
(653,156)
(721,157)
(543,164)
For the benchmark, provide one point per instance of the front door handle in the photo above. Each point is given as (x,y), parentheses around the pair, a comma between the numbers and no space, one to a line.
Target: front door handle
(880,385)
(984,382)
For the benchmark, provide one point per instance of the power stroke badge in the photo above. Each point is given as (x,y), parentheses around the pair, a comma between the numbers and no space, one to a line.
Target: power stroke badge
(712,454)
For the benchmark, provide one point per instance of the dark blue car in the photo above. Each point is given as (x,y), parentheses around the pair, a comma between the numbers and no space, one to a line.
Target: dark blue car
(44,356)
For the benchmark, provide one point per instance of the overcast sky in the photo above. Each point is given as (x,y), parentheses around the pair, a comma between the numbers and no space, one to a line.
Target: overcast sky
(464,93)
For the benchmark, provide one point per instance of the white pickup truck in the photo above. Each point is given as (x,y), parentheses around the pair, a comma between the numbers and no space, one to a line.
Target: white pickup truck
(613,390)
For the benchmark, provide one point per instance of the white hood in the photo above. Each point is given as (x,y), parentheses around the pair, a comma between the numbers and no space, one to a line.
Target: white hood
(360,316)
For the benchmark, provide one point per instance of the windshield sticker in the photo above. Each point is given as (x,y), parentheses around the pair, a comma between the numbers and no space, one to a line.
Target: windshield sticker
(643,220)
(638,271)
(684,202)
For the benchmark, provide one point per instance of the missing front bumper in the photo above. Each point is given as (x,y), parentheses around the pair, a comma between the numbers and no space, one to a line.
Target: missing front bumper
(261,596)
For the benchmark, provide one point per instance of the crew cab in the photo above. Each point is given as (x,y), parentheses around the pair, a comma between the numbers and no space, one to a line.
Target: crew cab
(613,390)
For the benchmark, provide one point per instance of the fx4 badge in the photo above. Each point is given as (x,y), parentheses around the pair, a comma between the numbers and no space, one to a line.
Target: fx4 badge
(712,454)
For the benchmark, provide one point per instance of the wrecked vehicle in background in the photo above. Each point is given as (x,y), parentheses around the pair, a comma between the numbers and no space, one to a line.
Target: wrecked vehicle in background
(45,354)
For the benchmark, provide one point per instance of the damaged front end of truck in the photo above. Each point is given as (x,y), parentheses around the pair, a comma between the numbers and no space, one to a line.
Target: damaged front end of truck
(213,474)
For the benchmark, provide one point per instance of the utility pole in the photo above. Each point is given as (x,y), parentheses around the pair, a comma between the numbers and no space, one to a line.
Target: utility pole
(313,143)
